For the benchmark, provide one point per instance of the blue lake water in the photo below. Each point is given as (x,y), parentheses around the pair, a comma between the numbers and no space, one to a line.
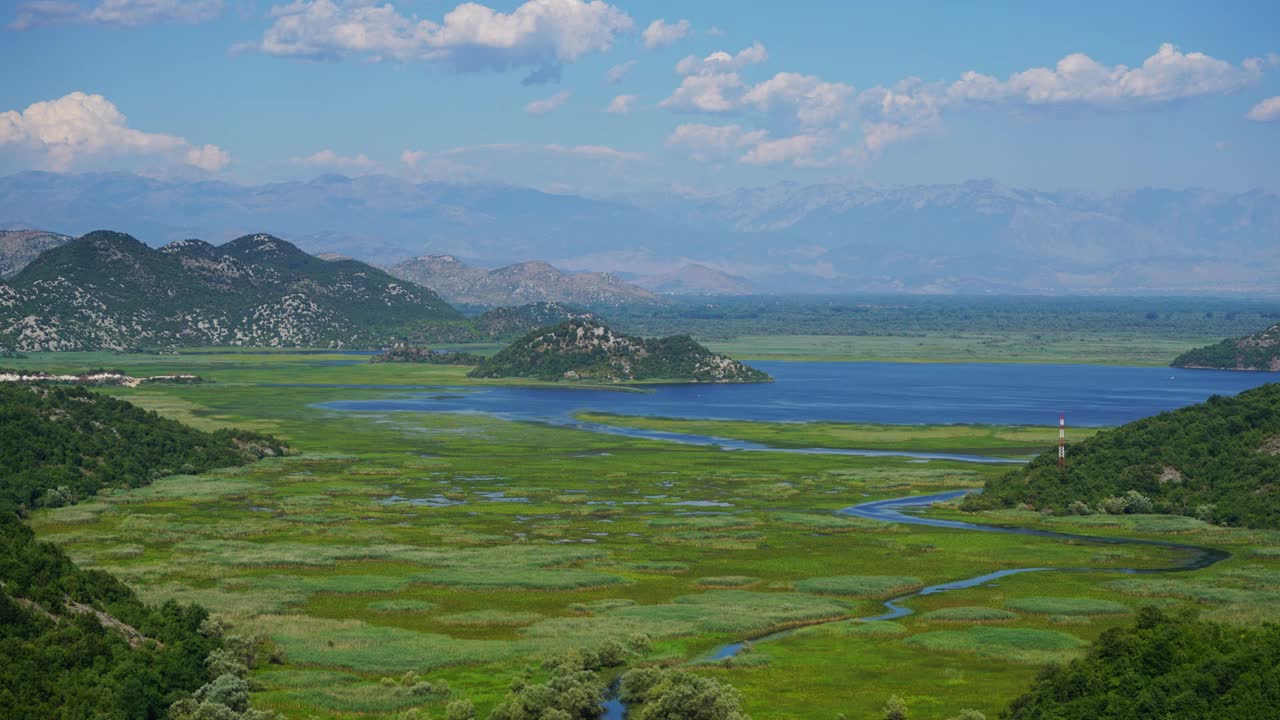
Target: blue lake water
(891,393)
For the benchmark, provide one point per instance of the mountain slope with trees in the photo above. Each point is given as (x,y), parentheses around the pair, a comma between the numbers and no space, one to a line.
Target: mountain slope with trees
(1218,461)
(1165,666)
(584,349)
(107,290)
(1259,351)
(61,444)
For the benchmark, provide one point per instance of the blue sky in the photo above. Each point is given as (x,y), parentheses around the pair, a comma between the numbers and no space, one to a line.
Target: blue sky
(1085,95)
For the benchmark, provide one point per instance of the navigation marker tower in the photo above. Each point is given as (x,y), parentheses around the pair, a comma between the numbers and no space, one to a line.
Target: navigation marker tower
(1062,441)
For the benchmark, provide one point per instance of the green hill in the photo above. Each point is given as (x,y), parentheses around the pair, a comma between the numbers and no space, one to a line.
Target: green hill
(107,290)
(1259,351)
(585,349)
(1165,666)
(1219,461)
(62,444)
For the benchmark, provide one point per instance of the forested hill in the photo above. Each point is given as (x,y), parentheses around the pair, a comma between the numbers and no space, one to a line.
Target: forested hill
(1218,461)
(62,444)
(1259,351)
(79,645)
(107,290)
(584,349)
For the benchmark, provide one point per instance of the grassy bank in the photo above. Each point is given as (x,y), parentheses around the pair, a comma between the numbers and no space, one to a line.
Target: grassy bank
(990,440)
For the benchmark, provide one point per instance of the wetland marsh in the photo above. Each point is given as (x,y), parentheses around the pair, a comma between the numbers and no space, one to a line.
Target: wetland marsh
(466,547)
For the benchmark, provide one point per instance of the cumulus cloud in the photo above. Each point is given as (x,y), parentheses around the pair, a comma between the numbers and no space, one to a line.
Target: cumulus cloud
(117,13)
(330,160)
(617,72)
(660,33)
(539,35)
(713,142)
(546,105)
(797,150)
(1266,111)
(1168,75)
(79,127)
(209,158)
(621,105)
(803,100)
(723,62)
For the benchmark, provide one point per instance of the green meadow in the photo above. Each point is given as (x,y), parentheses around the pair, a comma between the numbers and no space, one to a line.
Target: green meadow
(466,549)
(1086,347)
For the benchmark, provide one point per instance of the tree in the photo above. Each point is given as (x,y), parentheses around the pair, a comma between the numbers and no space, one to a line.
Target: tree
(895,709)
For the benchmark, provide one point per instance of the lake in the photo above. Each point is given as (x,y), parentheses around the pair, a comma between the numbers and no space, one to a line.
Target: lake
(888,393)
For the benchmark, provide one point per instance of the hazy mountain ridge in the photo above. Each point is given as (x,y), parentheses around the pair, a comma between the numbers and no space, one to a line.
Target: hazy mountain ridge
(968,237)
(19,247)
(518,284)
(696,279)
(108,290)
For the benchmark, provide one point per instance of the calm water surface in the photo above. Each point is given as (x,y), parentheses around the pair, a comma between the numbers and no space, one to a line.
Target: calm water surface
(891,393)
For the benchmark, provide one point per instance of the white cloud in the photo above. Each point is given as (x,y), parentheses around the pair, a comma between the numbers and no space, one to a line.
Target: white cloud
(806,100)
(617,72)
(661,34)
(797,150)
(79,127)
(596,152)
(1266,111)
(907,110)
(540,35)
(546,105)
(412,158)
(117,13)
(716,93)
(210,158)
(330,160)
(1167,75)
(713,142)
(723,62)
(712,84)
(621,105)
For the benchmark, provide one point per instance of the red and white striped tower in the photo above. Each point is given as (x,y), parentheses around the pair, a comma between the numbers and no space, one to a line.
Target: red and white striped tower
(1062,440)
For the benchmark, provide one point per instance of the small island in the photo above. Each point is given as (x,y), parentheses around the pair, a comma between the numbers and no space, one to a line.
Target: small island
(1259,351)
(585,349)
(405,353)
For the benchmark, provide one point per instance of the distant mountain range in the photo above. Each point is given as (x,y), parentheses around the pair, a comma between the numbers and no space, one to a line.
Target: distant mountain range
(519,284)
(108,290)
(975,237)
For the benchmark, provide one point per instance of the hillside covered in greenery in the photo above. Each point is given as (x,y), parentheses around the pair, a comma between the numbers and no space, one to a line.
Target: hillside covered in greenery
(79,644)
(585,349)
(62,444)
(1259,351)
(107,290)
(1218,461)
(1165,666)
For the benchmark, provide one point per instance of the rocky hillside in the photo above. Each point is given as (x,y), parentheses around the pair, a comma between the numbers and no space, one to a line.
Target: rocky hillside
(588,350)
(519,284)
(695,279)
(1218,461)
(19,247)
(502,324)
(107,290)
(1259,351)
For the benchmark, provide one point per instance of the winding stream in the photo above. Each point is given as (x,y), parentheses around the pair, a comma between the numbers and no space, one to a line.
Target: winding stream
(898,510)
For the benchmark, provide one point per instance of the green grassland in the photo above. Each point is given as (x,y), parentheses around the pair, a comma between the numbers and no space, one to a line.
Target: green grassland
(589,540)
(1094,348)
(989,440)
